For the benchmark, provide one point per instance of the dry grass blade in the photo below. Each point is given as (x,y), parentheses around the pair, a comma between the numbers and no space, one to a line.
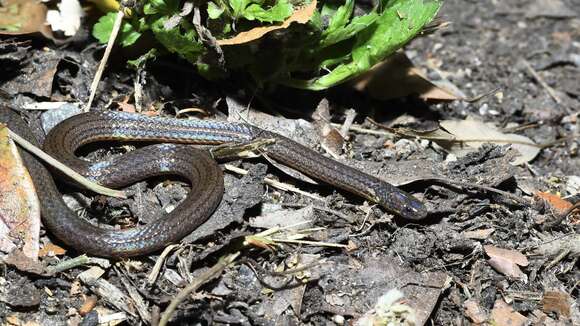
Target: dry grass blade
(65,169)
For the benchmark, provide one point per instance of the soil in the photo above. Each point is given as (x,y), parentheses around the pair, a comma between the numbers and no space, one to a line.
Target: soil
(492,249)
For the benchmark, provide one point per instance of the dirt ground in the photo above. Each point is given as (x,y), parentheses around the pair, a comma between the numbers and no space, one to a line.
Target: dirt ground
(498,246)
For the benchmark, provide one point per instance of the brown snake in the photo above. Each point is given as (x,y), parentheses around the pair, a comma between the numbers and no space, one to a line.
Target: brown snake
(195,165)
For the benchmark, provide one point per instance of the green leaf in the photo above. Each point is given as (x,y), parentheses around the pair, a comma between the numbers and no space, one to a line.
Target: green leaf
(180,40)
(142,59)
(344,33)
(103,28)
(340,17)
(213,11)
(238,7)
(396,26)
(165,7)
(278,13)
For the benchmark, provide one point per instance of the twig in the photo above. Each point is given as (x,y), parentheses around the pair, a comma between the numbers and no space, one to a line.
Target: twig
(157,267)
(275,184)
(208,275)
(541,81)
(310,243)
(322,209)
(75,262)
(65,169)
(513,197)
(103,63)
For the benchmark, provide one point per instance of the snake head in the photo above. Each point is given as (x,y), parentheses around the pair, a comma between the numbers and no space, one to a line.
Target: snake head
(401,203)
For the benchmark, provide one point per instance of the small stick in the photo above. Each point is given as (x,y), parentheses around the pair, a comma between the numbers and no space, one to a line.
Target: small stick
(274,183)
(513,197)
(208,275)
(103,63)
(541,81)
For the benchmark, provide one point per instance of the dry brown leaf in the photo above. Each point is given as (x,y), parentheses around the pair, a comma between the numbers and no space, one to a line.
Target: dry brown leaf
(21,262)
(397,77)
(474,311)
(50,249)
(478,234)
(474,133)
(19,206)
(330,138)
(556,202)
(503,314)
(556,301)
(506,267)
(300,16)
(19,17)
(511,255)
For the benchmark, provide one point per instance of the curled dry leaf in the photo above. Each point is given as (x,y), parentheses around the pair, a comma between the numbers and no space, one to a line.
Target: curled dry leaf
(470,134)
(18,17)
(19,206)
(397,77)
(300,16)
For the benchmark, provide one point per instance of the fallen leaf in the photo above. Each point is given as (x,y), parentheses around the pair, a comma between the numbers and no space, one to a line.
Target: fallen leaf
(471,134)
(512,255)
(478,234)
(21,262)
(50,249)
(558,302)
(397,77)
(503,314)
(506,261)
(67,18)
(506,267)
(19,206)
(18,17)
(331,139)
(559,205)
(474,311)
(300,16)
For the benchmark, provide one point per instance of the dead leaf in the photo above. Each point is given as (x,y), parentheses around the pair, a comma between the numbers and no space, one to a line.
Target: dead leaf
(19,206)
(50,249)
(512,255)
(331,139)
(503,314)
(556,301)
(506,267)
(474,311)
(478,234)
(18,17)
(397,77)
(471,134)
(23,263)
(506,261)
(300,16)
(559,205)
